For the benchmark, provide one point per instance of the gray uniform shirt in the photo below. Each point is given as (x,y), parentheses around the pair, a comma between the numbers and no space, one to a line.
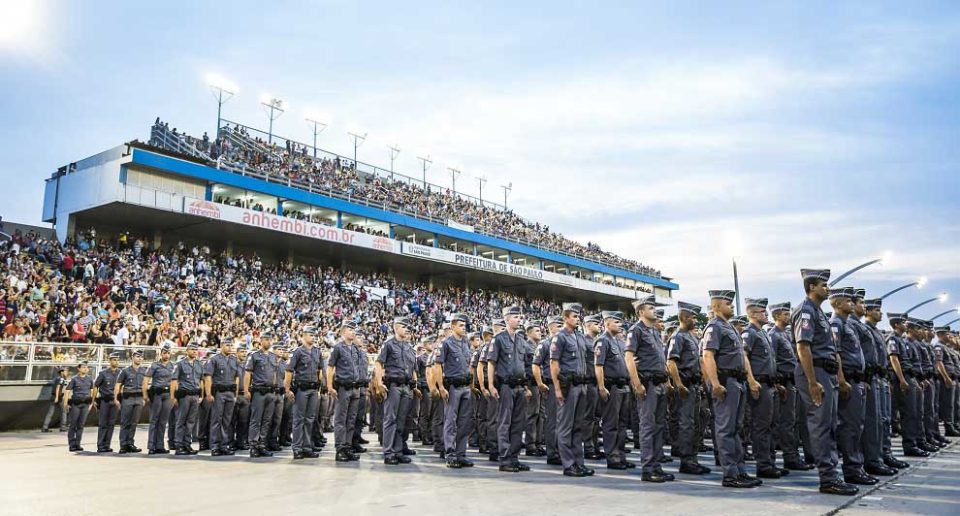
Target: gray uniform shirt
(188,374)
(900,348)
(848,344)
(81,386)
(131,378)
(305,363)
(649,352)
(759,349)
(398,359)
(685,351)
(867,347)
(263,368)
(106,381)
(569,349)
(454,355)
(348,361)
(608,352)
(541,357)
(810,325)
(783,347)
(507,353)
(160,374)
(720,337)
(222,369)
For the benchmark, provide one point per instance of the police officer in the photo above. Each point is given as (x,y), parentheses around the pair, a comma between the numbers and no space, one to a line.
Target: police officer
(873,315)
(260,388)
(57,387)
(902,365)
(612,390)
(436,379)
(916,335)
(346,367)
(533,433)
(80,400)
(221,380)
(542,373)
(591,329)
(507,383)
(186,386)
(932,392)
(363,380)
(724,364)
(646,364)
(240,428)
(683,352)
(817,379)
(453,360)
(568,352)
(129,392)
(156,393)
(302,383)
(785,425)
(279,401)
(479,389)
(394,374)
(763,366)
(945,371)
(107,404)
(491,418)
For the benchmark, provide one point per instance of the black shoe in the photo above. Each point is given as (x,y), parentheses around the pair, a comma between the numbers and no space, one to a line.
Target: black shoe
(668,476)
(573,472)
(494,457)
(927,447)
(258,452)
(593,456)
(47,430)
(362,441)
(204,447)
(799,466)
(311,454)
(630,465)
(154,452)
(104,450)
(404,459)
(748,478)
(510,468)
(454,464)
(438,449)
(619,465)
(124,450)
(531,452)
(74,448)
(705,449)
(521,466)
(391,461)
(343,456)
(541,452)
(274,448)
(839,488)
(694,469)
(228,452)
(359,449)
(589,471)
(214,453)
(555,462)
(915,452)
(749,457)
(654,477)
(242,447)
(860,478)
(881,470)
(894,463)
(408,452)
(769,473)
(737,483)
(182,451)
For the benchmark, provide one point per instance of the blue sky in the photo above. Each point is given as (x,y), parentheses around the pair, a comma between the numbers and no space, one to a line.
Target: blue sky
(821,134)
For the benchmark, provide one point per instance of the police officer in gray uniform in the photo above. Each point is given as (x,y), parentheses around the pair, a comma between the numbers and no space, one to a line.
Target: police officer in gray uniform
(541,372)
(107,404)
(346,367)
(915,336)
(156,388)
(646,363)
(129,392)
(507,383)
(817,379)
(260,388)
(80,400)
(763,366)
(612,389)
(533,433)
(492,405)
(724,364)
(240,427)
(873,315)
(683,354)
(302,382)
(946,372)
(591,329)
(279,400)
(903,366)
(785,425)
(568,363)
(363,379)
(394,374)
(453,359)
(221,381)
(186,389)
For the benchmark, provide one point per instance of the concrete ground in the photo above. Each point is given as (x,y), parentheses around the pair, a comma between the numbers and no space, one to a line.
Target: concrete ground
(38,476)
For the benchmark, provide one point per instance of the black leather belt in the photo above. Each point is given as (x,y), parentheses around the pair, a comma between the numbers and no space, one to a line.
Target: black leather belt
(853,376)
(737,374)
(131,394)
(656,377)
(615,382)
(462,381)
(399,382)
(830,366)
(262,389)
(157,390)
(689,377)
(518,381)
(766,379)
(224,388)
(79,401)
(183,393)
(305,386)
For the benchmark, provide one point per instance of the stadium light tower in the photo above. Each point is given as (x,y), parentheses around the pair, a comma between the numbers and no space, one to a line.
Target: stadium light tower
(275,107)
(953,321)
(482,180)
(942,298)
(453,178)
(507,188)
(318,128)
(885,259)
(950,311)
(394,152)
(426,164)
(919,284)
(358,140)
(223,90)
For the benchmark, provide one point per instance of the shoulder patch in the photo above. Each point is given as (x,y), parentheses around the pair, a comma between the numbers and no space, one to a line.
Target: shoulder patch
(805,315)
(744,335)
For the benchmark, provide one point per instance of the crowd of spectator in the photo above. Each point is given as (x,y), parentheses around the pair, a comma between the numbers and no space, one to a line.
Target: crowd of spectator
(235,149)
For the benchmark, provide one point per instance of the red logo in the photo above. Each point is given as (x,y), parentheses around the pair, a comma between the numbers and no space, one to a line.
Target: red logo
(204,209)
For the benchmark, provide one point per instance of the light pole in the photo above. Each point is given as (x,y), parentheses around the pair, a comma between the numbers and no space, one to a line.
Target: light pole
(950,311)
(953,321)
(426,162)
(394,152)
(884,259)
(318,128)
(942,298)
(358,140)
(275,108)
(453,178)
(223,90)
(507,188)
(481,180)
(919,284)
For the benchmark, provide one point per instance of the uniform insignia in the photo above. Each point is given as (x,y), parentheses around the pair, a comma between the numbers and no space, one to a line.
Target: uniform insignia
(709,331)
(805,316)
(891,346)
(553,346)
(805,324)
(744,335)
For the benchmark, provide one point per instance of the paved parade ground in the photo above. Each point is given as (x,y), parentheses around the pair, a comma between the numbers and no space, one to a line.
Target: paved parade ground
(38,476)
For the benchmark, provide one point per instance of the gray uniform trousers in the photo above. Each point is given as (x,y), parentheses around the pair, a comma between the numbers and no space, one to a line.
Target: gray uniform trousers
(492,422)
(956,406)
(920,401)
(480,409)
(761,427)
(726,414)
(589,422)
(221,420)
(424,411)
(203,421)
(803,431)
(241,422)
(276,417)
(533,432)
(688,430)
(615,417)
(945,397)
(785,426)
(872,432)
(822,423)
(76,418)
(172,426)
(569,438)
(159,416)
(511,419)
(187,409)
(51,410)
(550,423)
(930,411)
(304,417)
(437,421)
(886,419)
(396,408)
(261,416)
(909,413)
(130,409)
(852,415)
(345,418)
(361,418)
(652,413)
(457,422)
(106,420)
